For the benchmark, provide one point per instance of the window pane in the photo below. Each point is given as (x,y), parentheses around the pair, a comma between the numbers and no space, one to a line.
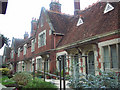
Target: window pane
(106,57)
(114,56)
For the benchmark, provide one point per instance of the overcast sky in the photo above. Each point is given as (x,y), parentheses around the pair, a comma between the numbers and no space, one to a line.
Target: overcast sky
(19,14)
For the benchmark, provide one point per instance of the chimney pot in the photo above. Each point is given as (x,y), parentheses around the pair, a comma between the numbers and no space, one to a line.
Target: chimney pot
(55,6)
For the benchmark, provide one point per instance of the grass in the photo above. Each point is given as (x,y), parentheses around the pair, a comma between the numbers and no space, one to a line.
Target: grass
(39,83)
(6,81)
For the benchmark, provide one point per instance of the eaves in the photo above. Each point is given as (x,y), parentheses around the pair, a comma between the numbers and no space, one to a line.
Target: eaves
(89,39)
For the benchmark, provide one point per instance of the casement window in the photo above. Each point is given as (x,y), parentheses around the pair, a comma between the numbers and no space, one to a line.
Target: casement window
(23,66)
(39,64)
(25,49)
(18,52)
(42,21)
(42,39)
(12,54)
(111,56)
(33,45)
(47,66)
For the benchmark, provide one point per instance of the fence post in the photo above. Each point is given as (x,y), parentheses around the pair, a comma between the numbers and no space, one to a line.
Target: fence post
(63,58)
(44,70)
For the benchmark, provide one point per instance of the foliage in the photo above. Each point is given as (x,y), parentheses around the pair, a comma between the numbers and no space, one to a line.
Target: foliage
(56,72)
(105,80)
(39,83)
(6,81)
(4,71)
(22,78)
(5,39)
(67,77)
(38,74)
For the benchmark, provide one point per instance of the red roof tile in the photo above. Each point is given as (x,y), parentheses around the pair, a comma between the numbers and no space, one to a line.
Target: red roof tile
(59,21)
(95,23)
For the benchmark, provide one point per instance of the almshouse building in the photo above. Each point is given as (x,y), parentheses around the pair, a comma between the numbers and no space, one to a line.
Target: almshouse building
(93,32)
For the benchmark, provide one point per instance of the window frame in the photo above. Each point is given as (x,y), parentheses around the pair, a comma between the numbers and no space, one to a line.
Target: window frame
(25,49)
(18,52)
(110,57)
(12,54)
(39,39)
(33,45)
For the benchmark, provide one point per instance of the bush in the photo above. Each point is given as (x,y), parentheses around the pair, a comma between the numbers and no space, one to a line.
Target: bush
(6,81)
(4,71)
(22,78)
(38,83)
(105,80)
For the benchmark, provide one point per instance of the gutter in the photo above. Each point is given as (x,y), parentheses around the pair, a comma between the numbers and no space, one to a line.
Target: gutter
(89,39)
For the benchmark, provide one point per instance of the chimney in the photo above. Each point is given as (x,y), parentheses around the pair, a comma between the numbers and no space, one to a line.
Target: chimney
(76,7)
(26,35)
(55,6)
(33,26)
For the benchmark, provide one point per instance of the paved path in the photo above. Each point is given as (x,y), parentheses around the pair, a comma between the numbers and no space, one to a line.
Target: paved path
(1,86)
(57,82)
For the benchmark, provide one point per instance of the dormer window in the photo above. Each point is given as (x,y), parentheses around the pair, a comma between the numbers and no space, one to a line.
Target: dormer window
(80,21)
(25,49)
(18,52)
(108,8)
(33,45)
(42,39)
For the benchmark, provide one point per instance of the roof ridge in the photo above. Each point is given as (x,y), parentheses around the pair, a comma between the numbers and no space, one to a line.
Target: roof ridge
(59,13)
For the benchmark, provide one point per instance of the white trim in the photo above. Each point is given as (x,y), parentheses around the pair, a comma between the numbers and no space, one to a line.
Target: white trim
(80,21)
(25,49)
(106,43)
(108,8)
(33,45)
(109,42)
(39,43)
(18,52)
(39,57)
(58,54)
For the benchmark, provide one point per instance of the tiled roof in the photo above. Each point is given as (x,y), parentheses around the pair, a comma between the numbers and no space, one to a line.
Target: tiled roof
(17,43)
(95,23)
(59,21)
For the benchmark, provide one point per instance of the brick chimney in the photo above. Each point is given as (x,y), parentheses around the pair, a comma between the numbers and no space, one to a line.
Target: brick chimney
(76,7)
(26,35)
(33,26)
(55,6)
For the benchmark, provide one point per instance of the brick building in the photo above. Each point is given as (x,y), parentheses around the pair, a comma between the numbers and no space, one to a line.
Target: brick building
(93,32)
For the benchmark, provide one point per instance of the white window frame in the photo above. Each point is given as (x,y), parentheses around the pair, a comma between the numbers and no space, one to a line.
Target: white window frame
(18,52)
(59,54)
(33,45)
(25,49)
(39,58)
(39,39)
(12,54)
(107,43)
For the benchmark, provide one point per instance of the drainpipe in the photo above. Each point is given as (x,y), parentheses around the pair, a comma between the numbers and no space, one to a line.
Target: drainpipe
(55,41)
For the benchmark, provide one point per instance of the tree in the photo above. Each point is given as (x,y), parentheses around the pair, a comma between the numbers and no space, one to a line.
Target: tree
(3,40)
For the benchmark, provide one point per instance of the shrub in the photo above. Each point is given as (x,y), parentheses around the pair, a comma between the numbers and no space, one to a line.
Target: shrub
(22,78)
(6,81)
(105,80)
(4,71)
(39,83)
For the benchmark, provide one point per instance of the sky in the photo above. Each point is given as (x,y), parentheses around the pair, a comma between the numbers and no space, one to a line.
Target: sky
(19,14)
